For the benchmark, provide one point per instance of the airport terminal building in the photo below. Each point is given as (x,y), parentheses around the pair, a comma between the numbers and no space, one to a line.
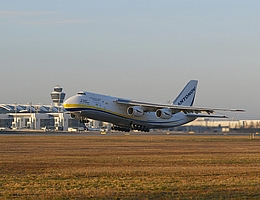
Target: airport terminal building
(37,117)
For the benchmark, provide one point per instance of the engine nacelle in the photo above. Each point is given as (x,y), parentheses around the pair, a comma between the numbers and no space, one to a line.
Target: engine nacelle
(136,111)
(164,113)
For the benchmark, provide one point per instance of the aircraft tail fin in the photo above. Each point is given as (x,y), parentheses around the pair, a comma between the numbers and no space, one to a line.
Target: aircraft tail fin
(187,95)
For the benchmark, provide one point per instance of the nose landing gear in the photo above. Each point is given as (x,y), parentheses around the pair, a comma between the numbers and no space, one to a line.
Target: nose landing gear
(83,120)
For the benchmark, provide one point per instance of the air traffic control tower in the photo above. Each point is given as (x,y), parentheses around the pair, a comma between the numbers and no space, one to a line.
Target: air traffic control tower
(57,96)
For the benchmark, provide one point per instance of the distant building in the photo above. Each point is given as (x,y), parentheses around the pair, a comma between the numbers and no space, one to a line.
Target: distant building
(36,117)
(206,124)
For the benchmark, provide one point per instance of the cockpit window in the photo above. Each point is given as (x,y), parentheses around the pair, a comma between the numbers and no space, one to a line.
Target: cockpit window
(82,93)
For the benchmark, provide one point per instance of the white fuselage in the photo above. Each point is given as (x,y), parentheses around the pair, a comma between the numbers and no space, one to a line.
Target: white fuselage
(105,108)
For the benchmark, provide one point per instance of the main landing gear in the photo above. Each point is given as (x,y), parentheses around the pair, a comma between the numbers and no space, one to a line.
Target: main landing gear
(118,128)
(140,128)
(133,127)
(83,120)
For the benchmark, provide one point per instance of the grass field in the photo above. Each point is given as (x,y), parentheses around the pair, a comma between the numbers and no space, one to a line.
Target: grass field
(129,167)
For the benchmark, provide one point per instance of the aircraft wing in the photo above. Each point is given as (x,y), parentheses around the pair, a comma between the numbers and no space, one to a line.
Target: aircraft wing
(190,110)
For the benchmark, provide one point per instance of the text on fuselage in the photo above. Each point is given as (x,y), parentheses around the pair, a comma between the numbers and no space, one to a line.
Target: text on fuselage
(83,101)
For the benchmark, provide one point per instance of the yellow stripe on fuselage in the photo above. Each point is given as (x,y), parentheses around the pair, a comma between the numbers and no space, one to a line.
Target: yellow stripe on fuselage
(75,106)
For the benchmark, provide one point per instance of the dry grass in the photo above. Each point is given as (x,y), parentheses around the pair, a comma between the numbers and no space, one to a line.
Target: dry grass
(129,167)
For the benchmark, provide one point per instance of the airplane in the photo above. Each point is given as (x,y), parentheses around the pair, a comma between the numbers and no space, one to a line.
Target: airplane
(127,115)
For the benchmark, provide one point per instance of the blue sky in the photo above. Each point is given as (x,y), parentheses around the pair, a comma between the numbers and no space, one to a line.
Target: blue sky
(146,50)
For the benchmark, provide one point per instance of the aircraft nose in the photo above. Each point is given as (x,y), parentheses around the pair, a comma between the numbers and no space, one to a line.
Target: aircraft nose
(70,103)
(66,102)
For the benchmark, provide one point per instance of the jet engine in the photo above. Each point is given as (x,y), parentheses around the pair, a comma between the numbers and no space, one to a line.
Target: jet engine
(136,111)
(164,113)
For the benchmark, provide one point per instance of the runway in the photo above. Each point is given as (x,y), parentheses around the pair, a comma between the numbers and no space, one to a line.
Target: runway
(118,133)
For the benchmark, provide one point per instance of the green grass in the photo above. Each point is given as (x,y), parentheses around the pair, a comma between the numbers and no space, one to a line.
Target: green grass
(129,167)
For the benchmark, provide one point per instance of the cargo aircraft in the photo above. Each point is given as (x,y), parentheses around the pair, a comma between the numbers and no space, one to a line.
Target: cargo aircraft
(126,114)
